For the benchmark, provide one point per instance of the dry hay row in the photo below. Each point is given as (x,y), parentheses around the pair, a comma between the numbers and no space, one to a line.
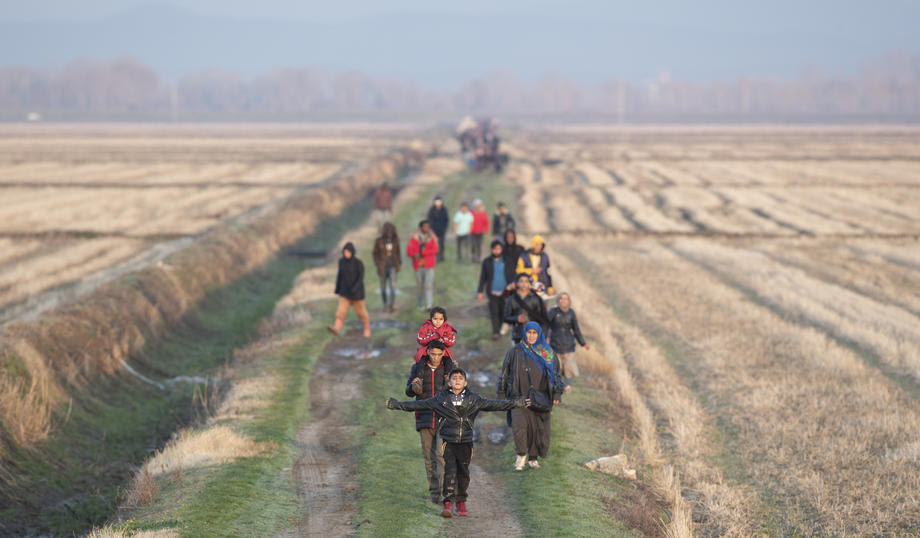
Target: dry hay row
(607,358)
(662,404)
(68,347)
(863,272)
(890,332)
(809,420)
(853,208)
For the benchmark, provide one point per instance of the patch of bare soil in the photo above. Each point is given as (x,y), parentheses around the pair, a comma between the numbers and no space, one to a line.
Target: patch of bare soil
(325,470)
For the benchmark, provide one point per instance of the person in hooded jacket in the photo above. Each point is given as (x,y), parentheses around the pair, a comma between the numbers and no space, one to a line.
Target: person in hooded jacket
(531,365)
(535,262)
(439,220)
(427,377)
(457,408)
(435,329)
(563,332)
(388,260)
(511,251)
(522,306)
(349,286)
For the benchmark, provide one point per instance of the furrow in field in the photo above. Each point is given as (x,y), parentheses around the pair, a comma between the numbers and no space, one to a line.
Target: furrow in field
(852,268)
(669,420)
(890,333)
(807,422)
(642,214)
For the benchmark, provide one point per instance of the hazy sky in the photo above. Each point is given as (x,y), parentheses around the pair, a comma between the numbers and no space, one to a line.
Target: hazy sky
(443,43)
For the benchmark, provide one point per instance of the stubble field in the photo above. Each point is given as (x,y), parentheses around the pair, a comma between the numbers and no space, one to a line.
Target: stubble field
(758,291)
(78,200)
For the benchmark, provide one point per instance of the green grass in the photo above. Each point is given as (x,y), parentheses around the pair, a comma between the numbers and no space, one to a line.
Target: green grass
(121,419)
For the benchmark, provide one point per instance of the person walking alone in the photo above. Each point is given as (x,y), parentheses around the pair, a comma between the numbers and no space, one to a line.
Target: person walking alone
(423,250)
(388,259)
(349,286)
(438,218)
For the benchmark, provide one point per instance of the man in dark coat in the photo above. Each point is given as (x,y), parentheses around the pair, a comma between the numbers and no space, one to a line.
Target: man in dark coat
(427,377)
(512,253)
(502,221)
(530,365)
(438,219)
(349,286)
(524,305)
(493,280)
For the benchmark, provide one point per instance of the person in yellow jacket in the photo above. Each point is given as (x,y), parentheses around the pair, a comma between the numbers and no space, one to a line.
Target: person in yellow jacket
(535,263)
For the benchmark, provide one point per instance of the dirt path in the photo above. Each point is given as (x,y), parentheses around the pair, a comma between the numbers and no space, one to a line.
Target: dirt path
(325,470)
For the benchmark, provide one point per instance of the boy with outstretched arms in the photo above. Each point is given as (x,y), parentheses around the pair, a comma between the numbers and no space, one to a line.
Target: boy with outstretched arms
(456,409)
(428,377)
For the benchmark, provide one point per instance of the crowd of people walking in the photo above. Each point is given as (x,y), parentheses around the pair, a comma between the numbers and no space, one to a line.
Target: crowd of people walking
(538,367)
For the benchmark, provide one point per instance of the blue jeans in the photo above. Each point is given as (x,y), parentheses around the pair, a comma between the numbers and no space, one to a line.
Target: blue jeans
(388,286)
(425,280)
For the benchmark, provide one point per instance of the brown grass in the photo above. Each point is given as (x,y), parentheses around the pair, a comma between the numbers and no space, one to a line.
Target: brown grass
(75,343)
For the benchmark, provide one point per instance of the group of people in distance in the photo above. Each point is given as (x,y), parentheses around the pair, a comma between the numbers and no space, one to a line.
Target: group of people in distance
(536,370)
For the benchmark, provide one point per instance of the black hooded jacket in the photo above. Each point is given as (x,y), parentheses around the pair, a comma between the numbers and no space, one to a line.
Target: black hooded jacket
(456,413)
(438,219)
(433,382)
(349,282)
(532,305)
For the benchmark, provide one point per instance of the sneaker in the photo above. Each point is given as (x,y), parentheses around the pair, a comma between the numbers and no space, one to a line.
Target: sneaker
(519,462)
(534,464)
(461,509)
(446,512)
(504,330)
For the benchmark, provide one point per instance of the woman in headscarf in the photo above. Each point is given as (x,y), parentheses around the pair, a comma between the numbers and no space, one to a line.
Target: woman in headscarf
(531,369)
(349,286)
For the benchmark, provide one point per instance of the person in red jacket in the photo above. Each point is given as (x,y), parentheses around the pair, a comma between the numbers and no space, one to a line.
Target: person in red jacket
(479,229)
(423,250)
(435,328)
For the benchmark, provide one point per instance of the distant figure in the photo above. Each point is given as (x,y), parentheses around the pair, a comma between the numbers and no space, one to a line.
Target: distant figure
(564,332)
(439,219)
(463,226)
(535,262)
(524,306)
(349,286)
(423,250)
(502,221)
(388,259)
(511,252)
(479,229)
(383,205)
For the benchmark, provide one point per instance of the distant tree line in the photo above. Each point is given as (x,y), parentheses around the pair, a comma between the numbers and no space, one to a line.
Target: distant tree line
(887,89)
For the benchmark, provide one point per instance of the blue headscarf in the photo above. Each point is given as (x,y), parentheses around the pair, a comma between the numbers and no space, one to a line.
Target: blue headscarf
(540,352)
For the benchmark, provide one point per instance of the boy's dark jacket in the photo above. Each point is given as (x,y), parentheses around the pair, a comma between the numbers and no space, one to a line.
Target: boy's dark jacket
(456,421)
(432,383)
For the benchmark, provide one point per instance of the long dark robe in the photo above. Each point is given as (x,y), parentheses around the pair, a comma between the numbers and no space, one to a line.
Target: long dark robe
(531,428)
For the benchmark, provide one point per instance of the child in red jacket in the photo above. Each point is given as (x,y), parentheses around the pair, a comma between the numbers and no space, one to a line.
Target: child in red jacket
(435,328)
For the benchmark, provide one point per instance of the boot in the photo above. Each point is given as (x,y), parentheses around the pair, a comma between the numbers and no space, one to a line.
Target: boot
(520,462)
(461,509)
(446,512)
